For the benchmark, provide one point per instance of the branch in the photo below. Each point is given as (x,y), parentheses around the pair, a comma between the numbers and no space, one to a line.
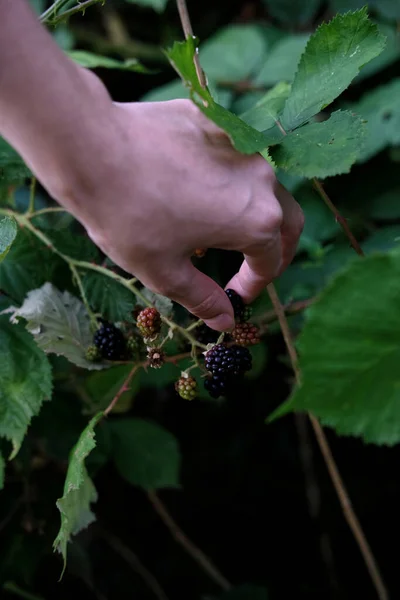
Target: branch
(124,388)
(46,17)
(188,31)
(333,470)
(198,555)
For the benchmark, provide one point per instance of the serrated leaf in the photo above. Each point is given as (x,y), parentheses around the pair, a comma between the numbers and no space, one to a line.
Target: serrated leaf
(292,12)
(263,115)
(321,149)
(27,265)
(161,303)
(59,323)
(381,109)
(145,454)
(25,381)
(8,233)
(349,353)
(157,5)
(2,471)
(93,61)
(281,61)
(79,492)
(108,297)
(13,170)
(389,55)
(79,247)
(244,138)
(332,58)
(233,53)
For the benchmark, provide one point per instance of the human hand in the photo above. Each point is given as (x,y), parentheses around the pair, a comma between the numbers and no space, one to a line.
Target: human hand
(172,182)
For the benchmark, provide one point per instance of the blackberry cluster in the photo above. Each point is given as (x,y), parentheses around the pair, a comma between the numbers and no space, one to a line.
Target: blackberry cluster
(225,364)
(110,341)
(239,307)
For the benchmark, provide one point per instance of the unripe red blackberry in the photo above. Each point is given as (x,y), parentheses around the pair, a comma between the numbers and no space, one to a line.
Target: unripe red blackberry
(186,386)
(156,358)
(228,361)
(237,304)
(149,322)
(246,334)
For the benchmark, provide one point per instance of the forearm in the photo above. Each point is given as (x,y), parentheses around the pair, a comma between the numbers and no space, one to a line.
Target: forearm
(50,108)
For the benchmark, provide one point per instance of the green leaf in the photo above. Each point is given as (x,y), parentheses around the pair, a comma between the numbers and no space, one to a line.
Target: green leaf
(108,297)
(381,109)
(93,61)
(245,139)
(320,225)
(25,381)
(321,149)
(157,5)
(161,303)
(292,12)
(281,62)
(349,353)
(145,454)
(76,246)
(102,386)
(382,239)
(170,91)
(27,265)
(12,168)
(59,323)
(2,471)
(264,114)
(8,233)
(332,58)
(234,53)
(79,492)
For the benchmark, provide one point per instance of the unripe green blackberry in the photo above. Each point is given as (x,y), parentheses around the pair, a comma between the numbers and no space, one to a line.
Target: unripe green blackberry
(149,322)
(186,386)
(248,311)
(246,334)
(133,344)
(93,353)
(156,357)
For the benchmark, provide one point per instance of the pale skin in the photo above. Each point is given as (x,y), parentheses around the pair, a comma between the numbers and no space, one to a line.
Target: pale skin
(150,182)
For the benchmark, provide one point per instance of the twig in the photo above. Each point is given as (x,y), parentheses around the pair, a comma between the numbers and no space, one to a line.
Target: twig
(333,470)
(188,31)
(198,555)
(133,561)
(290,309)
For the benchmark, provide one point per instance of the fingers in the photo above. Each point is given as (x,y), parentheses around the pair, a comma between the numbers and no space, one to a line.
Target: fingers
(260,266)
(200,295)
(292,225)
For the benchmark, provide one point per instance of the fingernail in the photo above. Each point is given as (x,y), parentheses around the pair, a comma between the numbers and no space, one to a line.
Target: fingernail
(222,322)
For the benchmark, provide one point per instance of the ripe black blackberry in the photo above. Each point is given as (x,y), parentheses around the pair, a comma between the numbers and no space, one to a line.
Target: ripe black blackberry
(205,335)
(216,385)
(110,341)
(239,307)
(228,361)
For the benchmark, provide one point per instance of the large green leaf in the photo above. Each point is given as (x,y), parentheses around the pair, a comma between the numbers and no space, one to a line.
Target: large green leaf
(293,12)
(79,247)
(350,352)
(93,61)
(281,61)
(158,5)
(332,58)
(108,297)
(145,454)
(381,109)
(234,53)
(25,381)
(245,139)
(321,149)
(27,265)
(12,168)
(59,323)
(79,491)
(8,233)
(264,114)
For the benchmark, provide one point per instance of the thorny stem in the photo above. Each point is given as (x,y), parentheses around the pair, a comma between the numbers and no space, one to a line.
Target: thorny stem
(188,31)
(333,470)
(198,555)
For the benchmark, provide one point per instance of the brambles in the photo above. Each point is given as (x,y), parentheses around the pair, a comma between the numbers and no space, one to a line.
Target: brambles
(156,358)
(238,305)
(186,386)
(149,322)
(246,334)
(110,341)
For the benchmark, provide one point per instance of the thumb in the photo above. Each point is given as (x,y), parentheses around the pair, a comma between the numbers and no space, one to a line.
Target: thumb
(204,298)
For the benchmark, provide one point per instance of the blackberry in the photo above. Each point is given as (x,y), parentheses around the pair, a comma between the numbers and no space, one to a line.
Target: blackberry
(248,311)
(237,304)
(228,361)
(93,353)
(149,322)
(246,334)
(205,335)
(186,387)
(216,386)
(110,341)
(134,344)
